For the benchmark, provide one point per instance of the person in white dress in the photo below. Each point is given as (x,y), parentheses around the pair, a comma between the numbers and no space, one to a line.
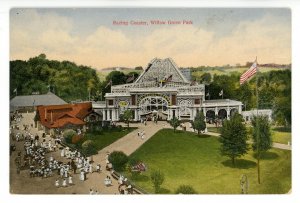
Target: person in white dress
(91,168)
(98,168)
(81,176)
(57,183)
(121,178)
(143,134)
(61,171)
(62,153)
(65,172)
(70,180)
(107,181)
(64,184)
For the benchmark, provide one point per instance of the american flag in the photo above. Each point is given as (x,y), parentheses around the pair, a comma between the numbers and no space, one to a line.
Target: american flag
(249,73)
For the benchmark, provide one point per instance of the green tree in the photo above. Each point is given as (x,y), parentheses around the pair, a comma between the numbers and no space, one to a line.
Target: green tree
(185,189)
(68,134)
(89,147)
(262,140)
(245,95)
(174,122)
(127,116)
(117,77)
(206,78)
(90,86)
(199,122)
(157,179)
(233,138)
(118,160)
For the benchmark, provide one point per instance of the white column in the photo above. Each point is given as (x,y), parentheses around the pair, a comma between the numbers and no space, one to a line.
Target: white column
(216,111)
(228,113)
(108,114)
(240,109)
(139,116)
(135,115)
(104,114)
(113,114)
(117,114)
(204,113)
(194,113)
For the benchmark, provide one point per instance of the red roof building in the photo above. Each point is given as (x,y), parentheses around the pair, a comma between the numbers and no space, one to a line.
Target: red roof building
(58,116)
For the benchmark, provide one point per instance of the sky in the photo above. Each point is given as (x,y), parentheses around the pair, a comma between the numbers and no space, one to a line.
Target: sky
(88,36)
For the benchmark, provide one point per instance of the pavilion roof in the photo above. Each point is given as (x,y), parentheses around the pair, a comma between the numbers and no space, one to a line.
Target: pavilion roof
(56,116)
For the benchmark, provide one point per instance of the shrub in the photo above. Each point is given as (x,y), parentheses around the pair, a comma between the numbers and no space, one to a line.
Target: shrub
(68,135)
(133,161)
(89,148)
(157,178)
(118,160)
(185,189)
(120,128)
(76,139)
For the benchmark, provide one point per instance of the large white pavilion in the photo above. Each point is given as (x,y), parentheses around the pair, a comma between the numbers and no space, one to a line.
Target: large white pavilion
(162,89)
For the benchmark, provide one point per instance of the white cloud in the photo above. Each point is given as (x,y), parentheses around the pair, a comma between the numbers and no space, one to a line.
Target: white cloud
(32,33)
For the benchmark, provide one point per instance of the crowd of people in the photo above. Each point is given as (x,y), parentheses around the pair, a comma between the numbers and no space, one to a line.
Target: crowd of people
(44,156)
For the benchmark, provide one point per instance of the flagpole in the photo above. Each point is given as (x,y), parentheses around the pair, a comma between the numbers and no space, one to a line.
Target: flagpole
(257,125)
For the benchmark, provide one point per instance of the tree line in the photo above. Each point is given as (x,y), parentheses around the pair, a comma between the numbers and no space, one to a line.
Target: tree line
(70,81)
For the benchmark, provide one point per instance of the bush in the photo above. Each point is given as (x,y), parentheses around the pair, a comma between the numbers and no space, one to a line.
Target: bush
(118,160)
(157,178)
(185,189)
(133,162)
(89,148)
(68,135)
(120,128)
(76,139)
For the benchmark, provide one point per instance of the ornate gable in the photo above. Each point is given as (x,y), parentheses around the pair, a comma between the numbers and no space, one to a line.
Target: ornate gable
(160,69)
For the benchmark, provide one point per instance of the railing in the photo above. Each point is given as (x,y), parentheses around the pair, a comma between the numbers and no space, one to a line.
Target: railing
(136,189)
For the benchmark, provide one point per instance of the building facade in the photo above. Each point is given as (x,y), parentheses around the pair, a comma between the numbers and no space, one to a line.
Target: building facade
(249,115)
(162,90)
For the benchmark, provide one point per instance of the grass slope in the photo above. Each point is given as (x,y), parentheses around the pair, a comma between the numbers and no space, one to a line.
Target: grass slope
(106,137)
(187,159)
(281,135)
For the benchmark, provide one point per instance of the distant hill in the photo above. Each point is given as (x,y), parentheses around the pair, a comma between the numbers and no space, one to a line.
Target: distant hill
(117,69)
(227,70)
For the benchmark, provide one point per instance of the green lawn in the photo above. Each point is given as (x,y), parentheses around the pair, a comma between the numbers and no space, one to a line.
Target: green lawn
(281,135)
(185,158)
(106,137)
(214,129)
